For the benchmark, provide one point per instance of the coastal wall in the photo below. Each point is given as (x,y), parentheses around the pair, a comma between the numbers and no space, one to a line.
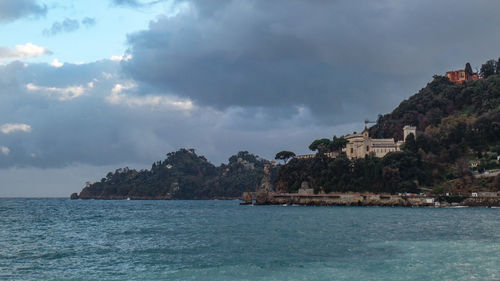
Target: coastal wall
(482,202)
(359,199)
(335,199)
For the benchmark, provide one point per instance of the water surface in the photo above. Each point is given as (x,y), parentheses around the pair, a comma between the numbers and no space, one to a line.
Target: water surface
(60,239)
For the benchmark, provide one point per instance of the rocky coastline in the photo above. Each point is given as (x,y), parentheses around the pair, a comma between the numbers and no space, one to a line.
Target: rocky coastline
(75,196)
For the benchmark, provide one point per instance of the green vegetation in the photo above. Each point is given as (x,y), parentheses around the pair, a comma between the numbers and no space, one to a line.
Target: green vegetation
(397,172)
(468,69)
(457,124)
(183,175)
(488,69)
(326,145)
(284,155)
(321,145)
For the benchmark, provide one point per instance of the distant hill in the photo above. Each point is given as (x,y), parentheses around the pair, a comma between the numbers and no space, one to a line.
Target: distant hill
(182,175)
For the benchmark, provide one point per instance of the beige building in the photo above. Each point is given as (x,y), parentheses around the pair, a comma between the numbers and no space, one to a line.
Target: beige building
(309,156)
(361,144)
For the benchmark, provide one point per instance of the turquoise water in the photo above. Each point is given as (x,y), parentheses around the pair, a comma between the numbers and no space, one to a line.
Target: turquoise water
(60,239)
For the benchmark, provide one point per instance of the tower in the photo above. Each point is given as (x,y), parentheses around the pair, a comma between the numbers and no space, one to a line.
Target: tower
(409,130)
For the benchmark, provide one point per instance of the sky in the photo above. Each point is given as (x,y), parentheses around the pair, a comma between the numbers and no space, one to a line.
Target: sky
(87,87)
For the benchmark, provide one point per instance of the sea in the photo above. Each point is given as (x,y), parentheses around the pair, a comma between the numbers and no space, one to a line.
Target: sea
(62,239)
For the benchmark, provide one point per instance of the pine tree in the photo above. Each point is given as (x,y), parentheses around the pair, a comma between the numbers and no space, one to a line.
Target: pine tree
(468,69)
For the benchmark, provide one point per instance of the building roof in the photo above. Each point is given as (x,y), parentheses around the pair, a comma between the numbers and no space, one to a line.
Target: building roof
(353,136)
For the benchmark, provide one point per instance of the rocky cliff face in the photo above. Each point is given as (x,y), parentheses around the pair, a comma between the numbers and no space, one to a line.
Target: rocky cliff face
(266,183)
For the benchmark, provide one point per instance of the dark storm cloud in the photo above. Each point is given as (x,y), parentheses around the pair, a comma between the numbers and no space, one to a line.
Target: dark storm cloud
(13,9)
(345,60)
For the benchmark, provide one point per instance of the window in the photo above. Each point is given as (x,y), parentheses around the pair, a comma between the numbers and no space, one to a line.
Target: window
(367,148)
(352,150)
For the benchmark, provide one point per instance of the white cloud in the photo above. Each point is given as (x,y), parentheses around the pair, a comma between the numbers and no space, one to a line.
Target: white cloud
(27,50)
(117,97)
(56,63)
(10,128)
(5,150)
(62,94)
(121,58)
(31,50)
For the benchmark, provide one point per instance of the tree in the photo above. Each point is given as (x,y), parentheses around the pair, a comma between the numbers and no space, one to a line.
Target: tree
(468,69)
(410,144)
(338,143)
(488,68)
(498,66)
(321,145)
(284,155)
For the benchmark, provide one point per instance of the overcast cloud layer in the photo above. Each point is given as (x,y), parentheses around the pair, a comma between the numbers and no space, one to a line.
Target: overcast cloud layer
(91,114)
(12,10)
(338,58)
(229,75)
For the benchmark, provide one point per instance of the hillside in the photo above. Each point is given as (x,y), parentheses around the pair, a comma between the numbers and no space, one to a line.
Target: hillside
(182,175)
(458,134)
(453,120)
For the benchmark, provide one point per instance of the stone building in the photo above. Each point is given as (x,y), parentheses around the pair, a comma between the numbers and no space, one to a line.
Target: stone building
(361,144)
(409,130)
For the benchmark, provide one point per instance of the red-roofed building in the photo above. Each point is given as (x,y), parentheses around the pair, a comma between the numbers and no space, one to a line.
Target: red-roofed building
(460,76)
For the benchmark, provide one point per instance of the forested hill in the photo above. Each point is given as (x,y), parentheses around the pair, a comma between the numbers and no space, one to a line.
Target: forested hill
(441,102)
(458,134)
(182,175)
(455,122)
